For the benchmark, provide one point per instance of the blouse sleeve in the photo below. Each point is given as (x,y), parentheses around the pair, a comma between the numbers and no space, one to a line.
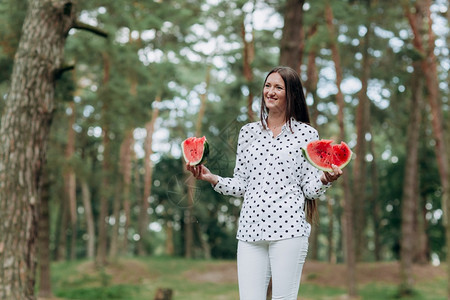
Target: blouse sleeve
(236,185)
(310,182)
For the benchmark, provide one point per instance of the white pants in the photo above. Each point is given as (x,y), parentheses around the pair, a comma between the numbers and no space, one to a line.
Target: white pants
(282,260)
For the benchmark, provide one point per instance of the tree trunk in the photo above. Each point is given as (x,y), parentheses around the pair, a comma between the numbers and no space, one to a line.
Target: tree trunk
(249,55)
(105,191)
(70,180)
(331,252)
(114,245)
(359,166)
(422,245)
(410,195)
(347,221)
(126,167)
(86,194)
(30,105)
(170,249)
(61,250)
(311,88)
(292,36)
(191,181)
(312,78)
(429,68)
(143,213)
(45,289)
(376,210)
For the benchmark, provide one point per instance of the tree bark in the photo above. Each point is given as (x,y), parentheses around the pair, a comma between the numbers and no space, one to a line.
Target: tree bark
(359,165)
(191,181)
(249,55)
(114,245)
(312,78)
(143,213)
(61,250)
(292,36)
(45,289)
(376,210)
(90,224)
(170,249)
(347,220)
(126,167)
(311,88)
(24,133)
(70,180)
(331,252)
(429,68)
(410,195)
(105,191)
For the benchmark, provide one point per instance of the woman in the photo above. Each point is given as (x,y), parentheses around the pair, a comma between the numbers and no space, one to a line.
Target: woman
(276,183)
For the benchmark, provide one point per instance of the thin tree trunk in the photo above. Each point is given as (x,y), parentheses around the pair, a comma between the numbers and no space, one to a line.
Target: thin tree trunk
(422,244)
(292,36)
(347,220)
(311,88)
(45,289)
(331,252)
(70,180)
(312,78)
(104,193)
(376,210)
(86,195)
(30,105)
(61,251)
(114,245)
(126,167)
(359,166)
(410,196)
(143,213)
(170,249)
(249,54)
(191,181)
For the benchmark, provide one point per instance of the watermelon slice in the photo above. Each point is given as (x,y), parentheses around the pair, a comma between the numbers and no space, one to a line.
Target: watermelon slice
(323,153)
(195,150)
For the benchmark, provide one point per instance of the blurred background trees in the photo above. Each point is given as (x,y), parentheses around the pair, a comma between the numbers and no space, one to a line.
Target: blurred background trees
(375,74)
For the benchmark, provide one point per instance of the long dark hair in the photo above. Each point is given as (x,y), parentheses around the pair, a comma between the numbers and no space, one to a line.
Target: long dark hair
(295,108)
(295,98)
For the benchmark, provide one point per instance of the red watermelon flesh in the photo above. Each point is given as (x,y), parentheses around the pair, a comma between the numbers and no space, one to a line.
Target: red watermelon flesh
(195,150)
(323,153)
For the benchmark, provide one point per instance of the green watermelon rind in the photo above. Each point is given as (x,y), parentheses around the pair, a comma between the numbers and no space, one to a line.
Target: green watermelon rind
(306,155)
(204,156)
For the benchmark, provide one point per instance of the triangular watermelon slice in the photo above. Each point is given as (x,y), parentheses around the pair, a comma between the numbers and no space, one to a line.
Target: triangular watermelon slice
(195,150)
(323,153)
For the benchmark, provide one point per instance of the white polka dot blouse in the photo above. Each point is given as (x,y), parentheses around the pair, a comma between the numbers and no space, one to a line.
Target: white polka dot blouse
(274,178)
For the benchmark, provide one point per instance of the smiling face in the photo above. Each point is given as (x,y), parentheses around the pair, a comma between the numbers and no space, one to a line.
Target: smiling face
(275,93)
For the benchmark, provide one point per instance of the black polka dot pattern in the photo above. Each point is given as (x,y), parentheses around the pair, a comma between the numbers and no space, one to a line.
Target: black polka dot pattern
(274,179)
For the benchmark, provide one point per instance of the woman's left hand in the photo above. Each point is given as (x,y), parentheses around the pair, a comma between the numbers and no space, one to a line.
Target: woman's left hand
(328,177)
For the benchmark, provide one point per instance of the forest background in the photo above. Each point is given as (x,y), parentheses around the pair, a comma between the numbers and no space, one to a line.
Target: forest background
(155,72)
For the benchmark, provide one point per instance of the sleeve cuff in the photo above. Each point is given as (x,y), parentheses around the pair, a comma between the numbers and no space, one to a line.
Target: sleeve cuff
(219,185)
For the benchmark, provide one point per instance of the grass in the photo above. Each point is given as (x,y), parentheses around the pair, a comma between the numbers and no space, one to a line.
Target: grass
(139,279)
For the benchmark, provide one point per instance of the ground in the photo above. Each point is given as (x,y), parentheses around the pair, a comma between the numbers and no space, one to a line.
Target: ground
(326,274)
(139,278)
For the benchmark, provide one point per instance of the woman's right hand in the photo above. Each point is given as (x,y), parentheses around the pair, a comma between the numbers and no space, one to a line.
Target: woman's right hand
(203,173)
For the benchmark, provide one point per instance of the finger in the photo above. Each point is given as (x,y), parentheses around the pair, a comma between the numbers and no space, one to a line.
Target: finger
(336,170)
(199,171)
